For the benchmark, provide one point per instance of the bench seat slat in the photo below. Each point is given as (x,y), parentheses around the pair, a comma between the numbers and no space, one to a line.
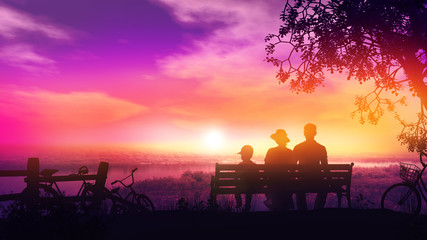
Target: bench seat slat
(233,167)
(287,174)
(286,186)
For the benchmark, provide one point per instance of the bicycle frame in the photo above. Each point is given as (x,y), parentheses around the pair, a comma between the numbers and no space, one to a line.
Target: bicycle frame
(129,186)
(121,181)
(82,187)
(131,193)
(57,189)
(420,185)
(132,201)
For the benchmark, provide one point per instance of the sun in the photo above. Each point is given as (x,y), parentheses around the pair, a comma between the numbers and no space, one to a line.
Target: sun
(214,139)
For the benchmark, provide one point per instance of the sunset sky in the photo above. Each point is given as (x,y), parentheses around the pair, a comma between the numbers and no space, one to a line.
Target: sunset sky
(168,75)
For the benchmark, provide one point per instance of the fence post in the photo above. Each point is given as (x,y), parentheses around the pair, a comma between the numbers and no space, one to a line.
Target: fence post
(212,200)
(101,178)
(33,169)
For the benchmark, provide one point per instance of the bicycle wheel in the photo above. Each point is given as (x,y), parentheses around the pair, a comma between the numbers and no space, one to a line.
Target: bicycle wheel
(118,205)
(88,202)
(47,199)
(144,203)
(85,200)
(118,208)
(402,197)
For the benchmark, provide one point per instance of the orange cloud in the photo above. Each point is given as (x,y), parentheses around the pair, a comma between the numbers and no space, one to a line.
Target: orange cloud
(70,109)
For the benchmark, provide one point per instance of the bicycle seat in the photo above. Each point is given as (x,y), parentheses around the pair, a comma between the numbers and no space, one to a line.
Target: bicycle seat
(83,170)
(48,172)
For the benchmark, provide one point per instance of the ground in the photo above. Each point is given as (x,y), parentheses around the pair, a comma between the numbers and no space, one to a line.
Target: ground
(313,224)
(321,224)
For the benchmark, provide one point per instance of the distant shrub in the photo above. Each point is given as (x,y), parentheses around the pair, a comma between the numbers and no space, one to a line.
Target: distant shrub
(166,192)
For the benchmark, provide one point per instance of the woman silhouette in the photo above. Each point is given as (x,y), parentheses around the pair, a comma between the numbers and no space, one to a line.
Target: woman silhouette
(277,197)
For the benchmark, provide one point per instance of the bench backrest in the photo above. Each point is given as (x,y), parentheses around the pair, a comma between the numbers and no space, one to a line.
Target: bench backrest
(334,177)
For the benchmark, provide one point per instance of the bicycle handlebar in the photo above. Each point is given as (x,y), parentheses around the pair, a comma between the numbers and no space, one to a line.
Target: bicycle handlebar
(121,181)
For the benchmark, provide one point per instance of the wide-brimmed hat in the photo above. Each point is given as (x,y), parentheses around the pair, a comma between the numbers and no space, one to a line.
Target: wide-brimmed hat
(280,134)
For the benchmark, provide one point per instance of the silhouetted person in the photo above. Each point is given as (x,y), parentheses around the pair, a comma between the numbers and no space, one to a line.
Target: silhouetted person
(246,176)
(312,154)
(277,196)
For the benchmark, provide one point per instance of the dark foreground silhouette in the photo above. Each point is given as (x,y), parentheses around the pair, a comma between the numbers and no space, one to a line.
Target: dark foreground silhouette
(315,224)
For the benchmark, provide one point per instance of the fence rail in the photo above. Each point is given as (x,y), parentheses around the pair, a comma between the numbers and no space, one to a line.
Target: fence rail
(13,173)
(33,179)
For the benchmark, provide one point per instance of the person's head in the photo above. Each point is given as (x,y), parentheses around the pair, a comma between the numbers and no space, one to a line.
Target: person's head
(281,137)
(246,152)
(310,131)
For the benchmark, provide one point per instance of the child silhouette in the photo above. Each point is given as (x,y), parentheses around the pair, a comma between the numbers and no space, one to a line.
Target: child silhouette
(245,176)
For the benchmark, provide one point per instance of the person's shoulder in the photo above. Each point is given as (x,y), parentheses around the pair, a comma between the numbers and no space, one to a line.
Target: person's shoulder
(270,150)
(320,145)
(299,145)
(281,150)
(273,149)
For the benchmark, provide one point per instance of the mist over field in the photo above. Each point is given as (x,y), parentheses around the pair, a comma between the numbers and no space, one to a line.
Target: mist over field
(368,185)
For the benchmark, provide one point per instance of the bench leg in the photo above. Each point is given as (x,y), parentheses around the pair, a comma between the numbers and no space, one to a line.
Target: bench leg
(213,203)
(212,200)
(339,196)
(348,200)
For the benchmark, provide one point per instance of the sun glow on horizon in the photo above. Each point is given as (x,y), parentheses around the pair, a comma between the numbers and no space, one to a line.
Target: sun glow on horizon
(214,139)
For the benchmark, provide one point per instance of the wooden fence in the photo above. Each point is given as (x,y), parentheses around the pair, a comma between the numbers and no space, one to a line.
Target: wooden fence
(33,179)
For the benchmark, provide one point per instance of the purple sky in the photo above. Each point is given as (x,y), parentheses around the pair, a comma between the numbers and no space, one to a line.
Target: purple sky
(175,75)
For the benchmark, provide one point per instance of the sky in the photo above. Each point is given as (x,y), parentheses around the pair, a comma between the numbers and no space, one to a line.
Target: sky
(172,76)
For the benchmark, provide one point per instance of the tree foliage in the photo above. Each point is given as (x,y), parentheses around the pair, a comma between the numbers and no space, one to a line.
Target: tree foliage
(381,41)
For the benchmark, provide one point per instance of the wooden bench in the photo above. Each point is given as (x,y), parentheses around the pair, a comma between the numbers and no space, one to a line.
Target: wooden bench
(334,178)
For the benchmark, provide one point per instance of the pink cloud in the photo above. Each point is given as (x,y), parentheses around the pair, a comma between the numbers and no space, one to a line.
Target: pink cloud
(24,56)
(14,21)
(48,108)
(235,83)
(228,62)
(15,26)
(236,47)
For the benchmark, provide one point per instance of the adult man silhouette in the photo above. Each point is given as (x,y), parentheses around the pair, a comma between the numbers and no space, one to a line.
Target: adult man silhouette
(313,155)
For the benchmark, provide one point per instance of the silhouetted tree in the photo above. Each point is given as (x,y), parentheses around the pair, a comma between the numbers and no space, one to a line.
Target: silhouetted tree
(365,39)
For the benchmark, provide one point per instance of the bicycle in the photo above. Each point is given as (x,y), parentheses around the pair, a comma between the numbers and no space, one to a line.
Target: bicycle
(405,197)
(131,201)
(50,196)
